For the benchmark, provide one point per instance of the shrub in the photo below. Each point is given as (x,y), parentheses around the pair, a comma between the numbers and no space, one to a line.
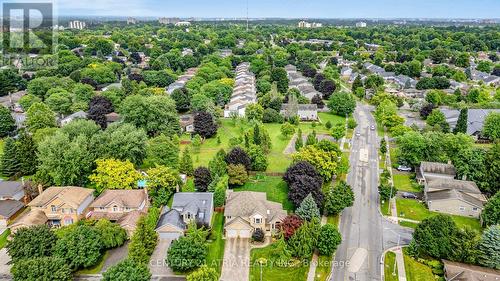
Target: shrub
(258,235)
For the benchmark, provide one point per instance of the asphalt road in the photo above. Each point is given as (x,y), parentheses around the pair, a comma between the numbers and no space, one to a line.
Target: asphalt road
(365,233)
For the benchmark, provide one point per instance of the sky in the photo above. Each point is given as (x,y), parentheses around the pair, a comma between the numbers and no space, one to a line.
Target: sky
(282,8)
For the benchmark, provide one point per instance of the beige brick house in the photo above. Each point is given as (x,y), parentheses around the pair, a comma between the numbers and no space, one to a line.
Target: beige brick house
(63,205)
(124,207)
(246,211)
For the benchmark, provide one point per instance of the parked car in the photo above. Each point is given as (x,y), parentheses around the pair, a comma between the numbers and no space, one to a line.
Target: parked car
(404,168)
(409,195)
(372,127)
(358,134)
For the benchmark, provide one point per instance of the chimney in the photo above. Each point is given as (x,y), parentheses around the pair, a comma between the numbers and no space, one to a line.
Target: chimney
(40,189)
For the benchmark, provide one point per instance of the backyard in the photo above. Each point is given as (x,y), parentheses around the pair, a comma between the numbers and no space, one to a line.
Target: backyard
(415,210)
(275,188)
(229,128)
(404,182)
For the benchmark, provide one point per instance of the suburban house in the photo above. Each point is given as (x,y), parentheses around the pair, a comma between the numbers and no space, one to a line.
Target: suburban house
(299,82)
(11,190)
(63,205)
(244,92)
(306,112)
(10,101)
(112,117)
(124,207)
(11,194)
(475,119)
(466,272)
(187,207)
(445,194)
(187,123)
(488,79)
(247,211)
(77,115)
(31,218)
(182,80)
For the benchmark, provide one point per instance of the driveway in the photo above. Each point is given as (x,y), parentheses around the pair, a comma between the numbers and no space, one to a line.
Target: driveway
(4,267)
(115,256)
(157,265)
(236,263)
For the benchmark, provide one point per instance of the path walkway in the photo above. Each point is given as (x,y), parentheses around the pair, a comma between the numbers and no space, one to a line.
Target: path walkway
(401,264)
(314,260)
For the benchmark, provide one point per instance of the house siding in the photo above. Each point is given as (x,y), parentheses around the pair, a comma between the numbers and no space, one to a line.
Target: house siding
(452,206)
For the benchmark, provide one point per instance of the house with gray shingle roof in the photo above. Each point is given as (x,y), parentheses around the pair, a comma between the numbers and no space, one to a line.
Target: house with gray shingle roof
(187,207)
(445,194)
(247,211)
(475,119)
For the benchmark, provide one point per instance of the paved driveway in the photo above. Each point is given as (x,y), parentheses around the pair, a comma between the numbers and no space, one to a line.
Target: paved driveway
(236,263)
(115,256)
(157,264)
(4,267)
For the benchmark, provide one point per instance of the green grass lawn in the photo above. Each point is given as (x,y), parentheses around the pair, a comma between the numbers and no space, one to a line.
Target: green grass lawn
(384,208)
(3,238)
(408,224)
(275,188)
(96,269)
(278,162)
(394,155)
(216,247)
(271,272)
(324,268)
(416,271)
(414,210)
(390,267)
(403,182)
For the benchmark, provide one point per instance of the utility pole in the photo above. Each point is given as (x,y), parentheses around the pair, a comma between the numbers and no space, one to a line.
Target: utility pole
(247,16)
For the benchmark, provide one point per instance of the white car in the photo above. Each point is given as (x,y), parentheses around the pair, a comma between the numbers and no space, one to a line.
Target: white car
(404,168)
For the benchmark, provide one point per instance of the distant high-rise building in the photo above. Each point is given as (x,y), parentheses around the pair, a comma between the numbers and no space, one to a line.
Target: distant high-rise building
(76,24)
(131,21)
(169,20)
(305,24)
(361,24)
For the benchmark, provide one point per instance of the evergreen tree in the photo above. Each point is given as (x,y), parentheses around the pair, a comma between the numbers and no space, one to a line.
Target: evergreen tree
(383,146)
(311,139)
(26,154)
(299,143)
(256,135)
(143,242)
(10,163)
(303,241)
(489,247)
(186,163)
(308,209)
(461,126)
(218,165)
(7,123)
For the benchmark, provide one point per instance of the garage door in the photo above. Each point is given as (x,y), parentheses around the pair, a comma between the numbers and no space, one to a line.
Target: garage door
(245,234)
(169,235)
(231,233)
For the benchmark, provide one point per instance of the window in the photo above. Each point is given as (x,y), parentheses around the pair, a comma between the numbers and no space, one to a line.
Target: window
(115,208)
(474,209)
(68,221)
(188,216)
(102,208)
(461,208)
(53,208)
(258,220)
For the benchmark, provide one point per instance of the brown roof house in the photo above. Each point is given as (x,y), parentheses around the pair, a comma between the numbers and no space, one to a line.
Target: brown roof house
(455,271)
(246,211)
(31,218)
(63,205)
(124,207)
(445,194)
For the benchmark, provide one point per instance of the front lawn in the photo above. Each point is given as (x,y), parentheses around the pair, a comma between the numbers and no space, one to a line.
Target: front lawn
(416,271)
(275,188)
(390,267)
(403,182)
(271,272)
(324,268)
(216,247)
(3,238)
(384,207)
(415,210)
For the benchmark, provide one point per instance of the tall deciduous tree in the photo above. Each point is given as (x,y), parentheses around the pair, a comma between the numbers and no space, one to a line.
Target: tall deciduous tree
(204,124)
(162,150)
(491,127)
(32,242)
(238,156)
(99,106)
(303,179)
(434,236)
(338,198)
(162,183)
(39,116)
(341,103)
(112,235)
(202,178)
(127,270)
(186,254)
(79,247)
(115,174)
(491,212)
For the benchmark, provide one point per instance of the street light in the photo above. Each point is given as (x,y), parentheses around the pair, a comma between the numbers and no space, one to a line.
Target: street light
(261,261)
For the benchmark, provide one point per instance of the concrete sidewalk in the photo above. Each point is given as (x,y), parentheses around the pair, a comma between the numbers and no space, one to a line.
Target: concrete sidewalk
(401,264)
